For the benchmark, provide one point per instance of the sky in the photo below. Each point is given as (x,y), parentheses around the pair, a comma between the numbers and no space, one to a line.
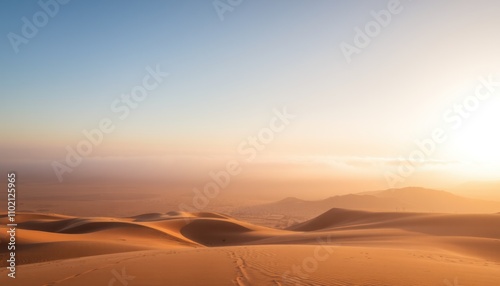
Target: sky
(364,84)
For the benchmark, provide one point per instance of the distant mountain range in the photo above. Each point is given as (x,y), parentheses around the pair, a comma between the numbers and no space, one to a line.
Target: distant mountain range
(486,190)
(411,199)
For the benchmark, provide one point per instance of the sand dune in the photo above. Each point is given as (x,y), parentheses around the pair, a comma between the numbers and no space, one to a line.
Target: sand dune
(477,225)
(339,247)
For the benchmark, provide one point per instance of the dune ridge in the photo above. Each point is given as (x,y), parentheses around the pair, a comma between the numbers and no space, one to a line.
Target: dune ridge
(432,241)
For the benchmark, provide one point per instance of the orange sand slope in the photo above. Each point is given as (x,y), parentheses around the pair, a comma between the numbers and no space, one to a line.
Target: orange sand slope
(339,247)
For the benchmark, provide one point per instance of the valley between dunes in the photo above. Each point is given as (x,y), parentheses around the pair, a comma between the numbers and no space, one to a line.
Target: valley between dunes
(338,247)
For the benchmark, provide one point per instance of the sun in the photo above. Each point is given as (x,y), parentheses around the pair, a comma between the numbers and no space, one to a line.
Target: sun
(478,139)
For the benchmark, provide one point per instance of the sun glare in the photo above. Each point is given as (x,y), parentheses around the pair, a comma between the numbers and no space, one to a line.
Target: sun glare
(479,138)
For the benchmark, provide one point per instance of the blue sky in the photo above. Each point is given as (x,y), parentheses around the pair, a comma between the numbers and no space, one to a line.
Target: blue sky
(90,52)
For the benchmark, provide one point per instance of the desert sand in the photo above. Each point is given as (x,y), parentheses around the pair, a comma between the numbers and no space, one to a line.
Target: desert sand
(339,247)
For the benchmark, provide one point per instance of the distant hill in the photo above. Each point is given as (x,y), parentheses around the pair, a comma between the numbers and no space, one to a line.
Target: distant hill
(402,200)
(428,200)
(487,190)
